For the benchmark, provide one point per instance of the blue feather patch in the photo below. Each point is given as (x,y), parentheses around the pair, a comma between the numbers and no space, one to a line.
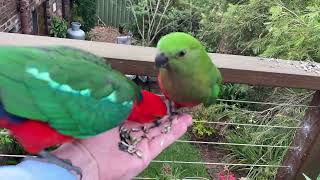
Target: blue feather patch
(12,118)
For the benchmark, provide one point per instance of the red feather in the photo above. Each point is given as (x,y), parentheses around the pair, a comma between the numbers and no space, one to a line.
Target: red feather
(35,136)
(150,108)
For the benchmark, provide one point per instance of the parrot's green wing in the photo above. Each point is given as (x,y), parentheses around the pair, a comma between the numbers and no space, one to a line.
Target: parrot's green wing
(74,91)
(216,87)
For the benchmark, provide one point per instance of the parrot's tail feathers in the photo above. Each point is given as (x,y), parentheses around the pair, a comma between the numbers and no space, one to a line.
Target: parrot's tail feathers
(4,123)
(6,118)
(35,136)
(149,109)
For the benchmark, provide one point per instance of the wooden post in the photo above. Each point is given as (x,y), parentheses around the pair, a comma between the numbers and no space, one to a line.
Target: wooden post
(306,157)
(25,15)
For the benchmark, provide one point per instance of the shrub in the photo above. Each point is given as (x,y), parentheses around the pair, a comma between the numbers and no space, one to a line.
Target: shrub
(293,32)
(59,27)
(200,115)
(155,18)
(264,115)
(230,28)
(280,29)
(84,11)
(9,146)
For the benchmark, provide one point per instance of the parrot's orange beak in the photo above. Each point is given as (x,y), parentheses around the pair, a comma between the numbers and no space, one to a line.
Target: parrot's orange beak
(161,60)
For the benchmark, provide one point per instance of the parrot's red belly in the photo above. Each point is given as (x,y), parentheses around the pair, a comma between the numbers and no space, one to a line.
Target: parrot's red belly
(168,96)
(35,136)
(149,109)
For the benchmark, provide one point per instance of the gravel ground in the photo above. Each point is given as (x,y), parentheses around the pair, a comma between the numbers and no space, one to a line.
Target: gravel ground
(104,34)
(308,65)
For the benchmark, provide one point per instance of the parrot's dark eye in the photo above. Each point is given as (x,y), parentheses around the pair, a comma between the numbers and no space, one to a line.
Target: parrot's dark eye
(181,53)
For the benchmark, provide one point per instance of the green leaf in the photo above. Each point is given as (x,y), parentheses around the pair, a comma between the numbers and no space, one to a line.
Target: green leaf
(59,27)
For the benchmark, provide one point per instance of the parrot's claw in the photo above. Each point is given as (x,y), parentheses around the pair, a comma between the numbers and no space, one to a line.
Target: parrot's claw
(145,129)
(131,149)
(166,129)
(175,113)
(155,124)
(47,157)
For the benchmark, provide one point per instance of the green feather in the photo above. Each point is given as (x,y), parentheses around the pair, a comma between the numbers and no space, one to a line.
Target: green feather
(76,92)
(191,78)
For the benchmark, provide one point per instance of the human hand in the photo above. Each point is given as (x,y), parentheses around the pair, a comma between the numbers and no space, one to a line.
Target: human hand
(100,158)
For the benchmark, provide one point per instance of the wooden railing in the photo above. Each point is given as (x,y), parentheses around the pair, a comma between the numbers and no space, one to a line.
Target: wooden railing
(139,60)
(235,69)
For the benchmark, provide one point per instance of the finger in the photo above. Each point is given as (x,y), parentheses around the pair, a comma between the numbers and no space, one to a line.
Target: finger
(179,127)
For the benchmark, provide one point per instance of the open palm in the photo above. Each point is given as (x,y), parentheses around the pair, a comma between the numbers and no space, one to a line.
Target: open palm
(100,158)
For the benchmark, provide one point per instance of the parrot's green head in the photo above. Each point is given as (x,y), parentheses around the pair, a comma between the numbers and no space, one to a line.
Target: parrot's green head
(178,51)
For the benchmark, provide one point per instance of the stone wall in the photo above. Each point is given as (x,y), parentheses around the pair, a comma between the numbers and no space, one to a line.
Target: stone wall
(54,8)
(17,14)
(9,16)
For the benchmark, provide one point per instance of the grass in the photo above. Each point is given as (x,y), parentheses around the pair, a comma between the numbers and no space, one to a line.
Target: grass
(178,152)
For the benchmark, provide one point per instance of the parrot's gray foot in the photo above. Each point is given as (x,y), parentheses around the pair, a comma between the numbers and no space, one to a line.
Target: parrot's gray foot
(167,127)
(128,143)
(172,113)
(47,157)
(146,129)
(155,124)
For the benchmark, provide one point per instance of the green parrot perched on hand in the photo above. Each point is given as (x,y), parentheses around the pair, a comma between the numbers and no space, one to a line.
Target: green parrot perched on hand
(53,95)
(187,76)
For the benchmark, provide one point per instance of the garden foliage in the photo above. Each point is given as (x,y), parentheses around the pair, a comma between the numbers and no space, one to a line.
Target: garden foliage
(84,11)
(287,29)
